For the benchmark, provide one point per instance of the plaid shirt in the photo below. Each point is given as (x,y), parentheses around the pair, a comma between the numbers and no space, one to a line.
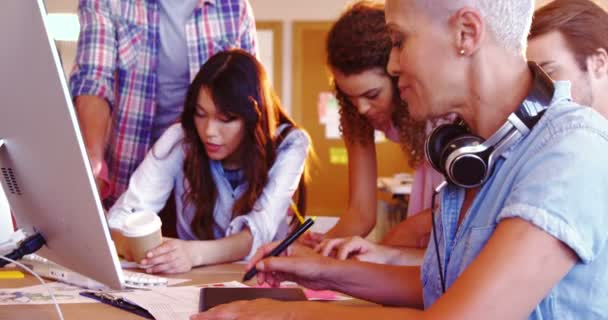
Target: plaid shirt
(117,57)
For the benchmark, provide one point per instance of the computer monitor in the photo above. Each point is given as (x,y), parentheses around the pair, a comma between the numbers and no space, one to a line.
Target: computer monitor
(45,171)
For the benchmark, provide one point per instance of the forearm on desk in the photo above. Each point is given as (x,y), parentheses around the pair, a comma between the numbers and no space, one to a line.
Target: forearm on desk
(406,256)
(329,311)
(392,285)
(231,248)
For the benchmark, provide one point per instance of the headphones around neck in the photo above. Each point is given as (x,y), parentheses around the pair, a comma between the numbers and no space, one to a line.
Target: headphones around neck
(465,159)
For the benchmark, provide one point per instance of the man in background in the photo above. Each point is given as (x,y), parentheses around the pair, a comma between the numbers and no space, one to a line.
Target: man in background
(134,62)
(569,40)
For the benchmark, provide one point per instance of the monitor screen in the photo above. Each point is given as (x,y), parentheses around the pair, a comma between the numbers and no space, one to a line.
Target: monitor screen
(45,171)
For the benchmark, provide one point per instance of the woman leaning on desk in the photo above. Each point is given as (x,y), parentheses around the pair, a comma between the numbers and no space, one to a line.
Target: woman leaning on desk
(358,48)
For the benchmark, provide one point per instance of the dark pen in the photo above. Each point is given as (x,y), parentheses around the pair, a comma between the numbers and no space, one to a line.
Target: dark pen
(282,246)
(117,302)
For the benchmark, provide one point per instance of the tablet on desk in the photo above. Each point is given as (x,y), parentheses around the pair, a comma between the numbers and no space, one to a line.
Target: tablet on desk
(211,297)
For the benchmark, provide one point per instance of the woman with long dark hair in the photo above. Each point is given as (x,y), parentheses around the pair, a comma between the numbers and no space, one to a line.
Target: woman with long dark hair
(234,162)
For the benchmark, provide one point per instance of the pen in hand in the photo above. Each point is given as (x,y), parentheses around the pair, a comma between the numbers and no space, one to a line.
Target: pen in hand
(282,246)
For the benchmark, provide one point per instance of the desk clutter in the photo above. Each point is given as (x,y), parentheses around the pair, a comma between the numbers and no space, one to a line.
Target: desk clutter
(211,297)
(393,210)
(162,303)
(399,184)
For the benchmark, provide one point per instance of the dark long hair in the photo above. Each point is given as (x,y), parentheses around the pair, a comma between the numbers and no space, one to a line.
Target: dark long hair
(359,41)
(238,86)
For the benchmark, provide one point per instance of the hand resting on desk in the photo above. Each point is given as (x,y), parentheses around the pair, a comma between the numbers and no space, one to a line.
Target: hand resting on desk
(172,256)
(354,248)
(364,250)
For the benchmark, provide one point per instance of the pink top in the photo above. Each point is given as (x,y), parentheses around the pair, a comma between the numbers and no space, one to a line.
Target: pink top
(392,133)
(426,179)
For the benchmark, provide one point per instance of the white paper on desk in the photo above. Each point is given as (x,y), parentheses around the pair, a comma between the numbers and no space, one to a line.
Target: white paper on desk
(324,224)
(64,293)
(172,303)
(175,281)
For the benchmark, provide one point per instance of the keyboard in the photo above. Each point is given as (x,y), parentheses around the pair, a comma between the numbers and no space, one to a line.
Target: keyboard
(48,269)
(140,280)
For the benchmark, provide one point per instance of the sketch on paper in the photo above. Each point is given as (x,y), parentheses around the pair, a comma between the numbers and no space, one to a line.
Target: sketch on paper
(64,293)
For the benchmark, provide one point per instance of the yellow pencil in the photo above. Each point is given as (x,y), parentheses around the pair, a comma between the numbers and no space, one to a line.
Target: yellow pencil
(297,212)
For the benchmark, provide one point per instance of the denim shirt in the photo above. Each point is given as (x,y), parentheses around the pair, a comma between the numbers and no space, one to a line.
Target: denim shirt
(161,172)
(555,178)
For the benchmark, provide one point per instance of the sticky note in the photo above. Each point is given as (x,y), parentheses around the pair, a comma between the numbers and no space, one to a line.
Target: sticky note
(11,274)
(338,156)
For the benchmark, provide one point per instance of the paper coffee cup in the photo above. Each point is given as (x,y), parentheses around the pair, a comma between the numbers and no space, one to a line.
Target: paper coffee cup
(141,232)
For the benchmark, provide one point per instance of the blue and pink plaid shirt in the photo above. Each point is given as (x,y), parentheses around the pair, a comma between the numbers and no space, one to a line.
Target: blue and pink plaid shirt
(117,57)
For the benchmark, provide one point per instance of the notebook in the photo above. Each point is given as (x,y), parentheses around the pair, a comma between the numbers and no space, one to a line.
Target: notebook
(211,297)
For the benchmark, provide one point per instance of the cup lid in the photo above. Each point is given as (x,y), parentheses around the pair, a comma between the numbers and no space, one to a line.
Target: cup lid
(140,224)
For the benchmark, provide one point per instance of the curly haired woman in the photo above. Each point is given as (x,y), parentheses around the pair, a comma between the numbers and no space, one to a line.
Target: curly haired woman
(358,48)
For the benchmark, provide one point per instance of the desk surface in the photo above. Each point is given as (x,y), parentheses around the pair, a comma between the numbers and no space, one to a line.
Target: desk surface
(92,311)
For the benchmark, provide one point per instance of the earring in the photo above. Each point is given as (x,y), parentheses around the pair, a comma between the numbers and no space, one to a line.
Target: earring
(461,52)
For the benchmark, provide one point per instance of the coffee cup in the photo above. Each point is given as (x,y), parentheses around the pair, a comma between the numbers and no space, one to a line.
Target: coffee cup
(141,232)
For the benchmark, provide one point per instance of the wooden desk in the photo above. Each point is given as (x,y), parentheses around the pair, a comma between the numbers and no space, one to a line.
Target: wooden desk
(93,311)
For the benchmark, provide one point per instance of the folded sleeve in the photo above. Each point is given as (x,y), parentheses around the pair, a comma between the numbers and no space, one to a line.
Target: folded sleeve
(562,189)
(270,210)
(93,72)
(152,182)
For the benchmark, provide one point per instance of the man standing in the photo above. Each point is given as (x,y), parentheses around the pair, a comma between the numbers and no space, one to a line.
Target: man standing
(134,62)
